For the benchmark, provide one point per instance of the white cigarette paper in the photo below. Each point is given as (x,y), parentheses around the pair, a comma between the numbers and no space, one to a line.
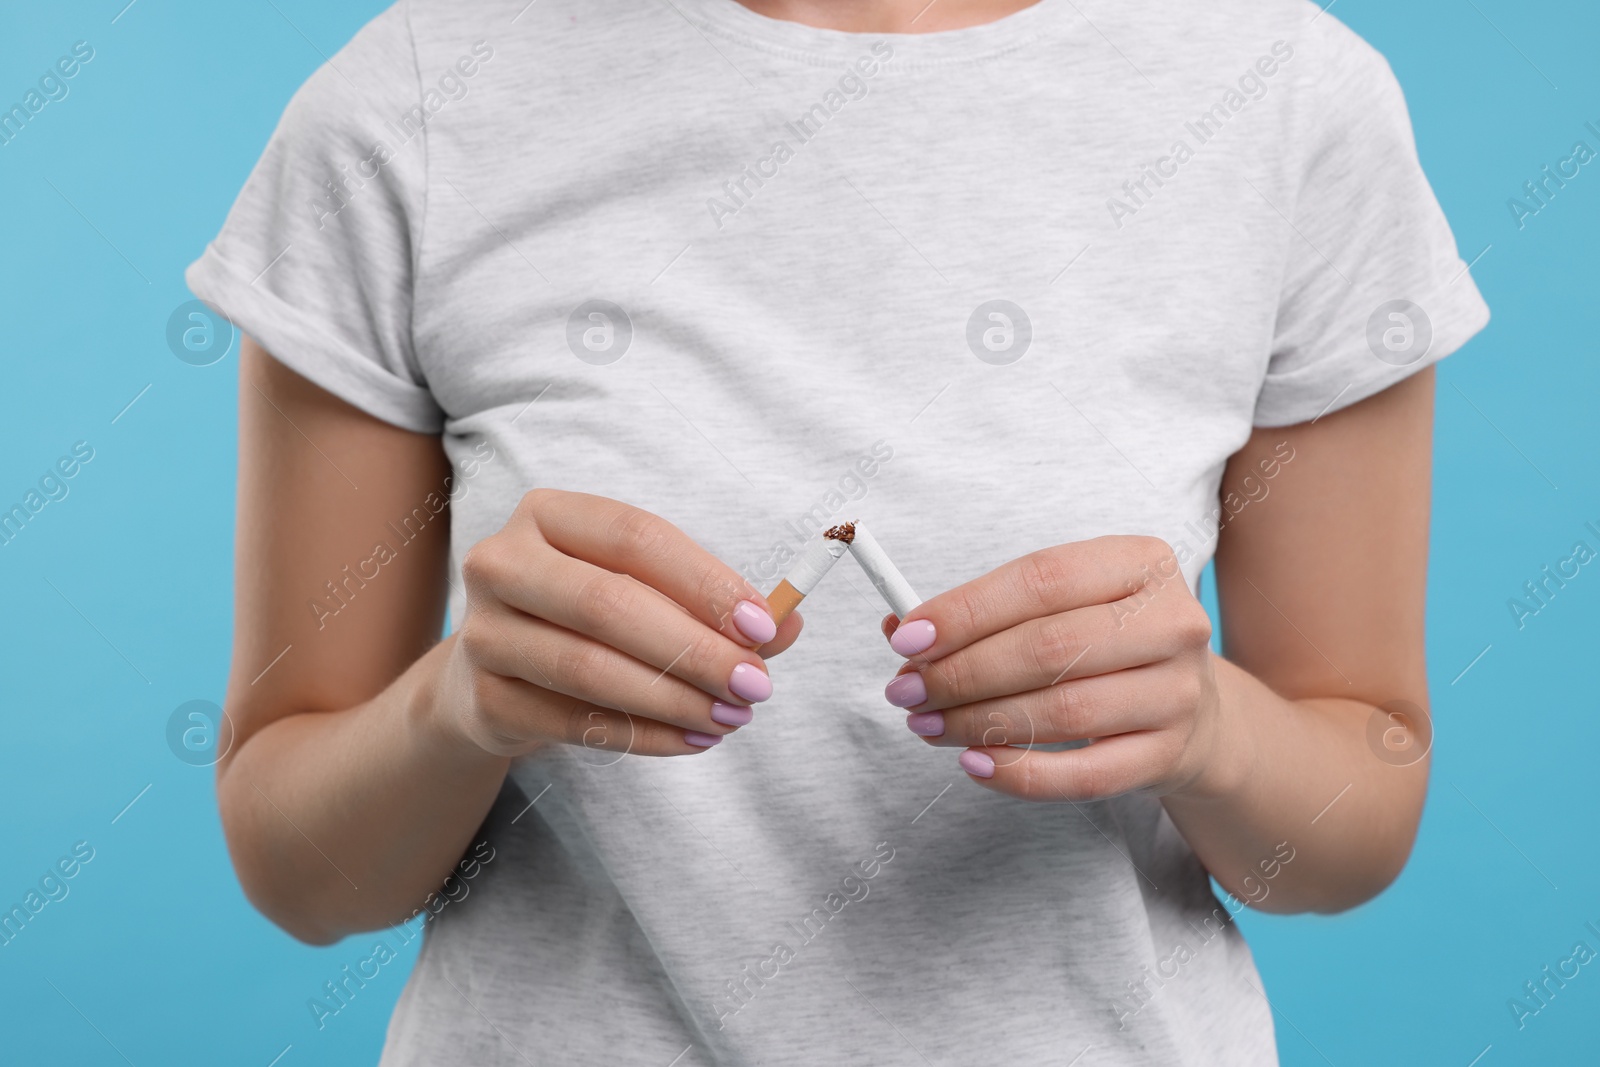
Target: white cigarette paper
(817,559)
(814,562)
(886,577)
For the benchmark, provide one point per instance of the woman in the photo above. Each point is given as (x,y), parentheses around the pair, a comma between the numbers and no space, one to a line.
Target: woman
(582,323)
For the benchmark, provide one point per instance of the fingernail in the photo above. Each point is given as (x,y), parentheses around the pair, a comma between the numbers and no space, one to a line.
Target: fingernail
(906,691)
(977,763)
(913,637)
(703,740)
(748,683)
(754,623)
(730,714)
(926,723)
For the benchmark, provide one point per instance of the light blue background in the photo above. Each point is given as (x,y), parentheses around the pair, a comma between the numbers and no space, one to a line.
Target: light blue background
(118,601)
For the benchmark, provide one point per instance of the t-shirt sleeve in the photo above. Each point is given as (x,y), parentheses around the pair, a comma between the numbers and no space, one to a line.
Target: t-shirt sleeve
(1373,290)
(317,257)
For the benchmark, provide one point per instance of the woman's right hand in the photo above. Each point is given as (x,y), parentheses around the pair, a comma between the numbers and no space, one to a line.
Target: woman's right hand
(590,622)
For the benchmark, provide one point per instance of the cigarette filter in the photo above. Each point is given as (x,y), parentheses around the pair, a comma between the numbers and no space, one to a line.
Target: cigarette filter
(886,577)
(808,569)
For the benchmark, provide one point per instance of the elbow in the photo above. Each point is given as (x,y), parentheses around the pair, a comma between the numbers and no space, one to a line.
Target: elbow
(1366,885)
(301,907)
(298,926)
(297,915)
(1370,869)
(1344,884)
(1345,874)
(297,910)
(1323,896)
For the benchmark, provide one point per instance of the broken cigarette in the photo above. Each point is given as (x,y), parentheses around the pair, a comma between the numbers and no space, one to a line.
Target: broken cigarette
(814,562)
(886,577)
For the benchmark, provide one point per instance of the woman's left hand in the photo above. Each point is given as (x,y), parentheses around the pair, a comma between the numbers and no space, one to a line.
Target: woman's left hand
(1099,640)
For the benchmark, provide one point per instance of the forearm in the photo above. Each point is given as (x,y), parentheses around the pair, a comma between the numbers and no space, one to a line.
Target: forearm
(1298,773)
(340,821)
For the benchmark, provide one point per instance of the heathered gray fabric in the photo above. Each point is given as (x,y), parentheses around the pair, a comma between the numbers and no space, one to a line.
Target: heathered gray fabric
(823,888)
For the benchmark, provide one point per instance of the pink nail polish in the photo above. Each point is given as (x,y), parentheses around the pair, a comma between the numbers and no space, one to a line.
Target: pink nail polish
(978,764)
(754,623)
(926,723)
(730,714)
(749,683)
(703,740)
(906,691)
(913,637)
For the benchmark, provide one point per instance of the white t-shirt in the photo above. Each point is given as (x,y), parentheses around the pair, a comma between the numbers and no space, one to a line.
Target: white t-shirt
(989,290)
